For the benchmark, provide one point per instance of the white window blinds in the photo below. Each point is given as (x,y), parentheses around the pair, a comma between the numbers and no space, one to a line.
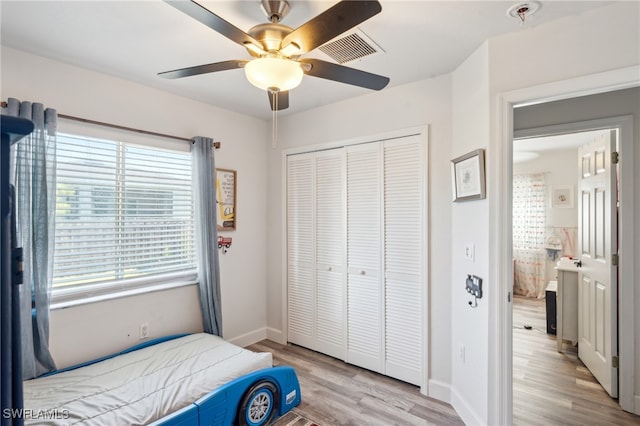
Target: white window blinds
(124,214)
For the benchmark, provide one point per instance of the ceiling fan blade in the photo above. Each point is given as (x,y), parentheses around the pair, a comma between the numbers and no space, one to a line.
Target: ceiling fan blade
(332,22)
(213,21)
(283,100)
(204,69)
(335,72)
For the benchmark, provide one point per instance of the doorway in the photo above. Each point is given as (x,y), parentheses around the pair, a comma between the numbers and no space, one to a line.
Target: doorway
(620,89)
(546,228)
(584,89)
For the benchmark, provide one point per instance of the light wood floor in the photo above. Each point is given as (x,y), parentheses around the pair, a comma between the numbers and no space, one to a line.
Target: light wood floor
(551,388)
(335,393)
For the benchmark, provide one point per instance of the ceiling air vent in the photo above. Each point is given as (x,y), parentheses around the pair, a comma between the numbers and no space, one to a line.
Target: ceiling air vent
(350,47)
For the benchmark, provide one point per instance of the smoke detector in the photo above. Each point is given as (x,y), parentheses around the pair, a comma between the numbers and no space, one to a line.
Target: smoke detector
(523,10)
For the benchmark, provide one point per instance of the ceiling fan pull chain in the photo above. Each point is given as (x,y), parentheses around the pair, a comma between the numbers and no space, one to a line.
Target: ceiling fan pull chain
(274,126)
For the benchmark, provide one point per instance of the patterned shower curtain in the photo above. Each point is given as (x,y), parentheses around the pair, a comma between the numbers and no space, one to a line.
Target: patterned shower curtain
(529,223)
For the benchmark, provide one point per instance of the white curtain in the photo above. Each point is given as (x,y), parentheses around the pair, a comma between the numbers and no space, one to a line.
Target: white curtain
(529,223)
(204,175)
(35,188)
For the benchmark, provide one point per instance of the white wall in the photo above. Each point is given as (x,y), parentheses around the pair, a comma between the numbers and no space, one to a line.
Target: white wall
(560,167)
(572,47)
(93,330)
(603,39)
(597,40)
(395,108)
(469,226)
(84,332)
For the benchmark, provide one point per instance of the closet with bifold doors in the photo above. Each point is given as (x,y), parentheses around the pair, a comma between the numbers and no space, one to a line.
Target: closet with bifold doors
(356,257)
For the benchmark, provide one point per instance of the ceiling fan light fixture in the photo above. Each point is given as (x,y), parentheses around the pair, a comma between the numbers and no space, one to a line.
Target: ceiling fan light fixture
(274,73)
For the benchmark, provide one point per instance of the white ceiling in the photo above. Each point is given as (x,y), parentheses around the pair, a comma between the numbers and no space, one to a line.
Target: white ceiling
(556,142)
(135,40)
(527,149)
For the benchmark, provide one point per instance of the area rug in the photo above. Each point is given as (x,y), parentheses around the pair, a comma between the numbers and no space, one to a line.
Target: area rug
(294,418)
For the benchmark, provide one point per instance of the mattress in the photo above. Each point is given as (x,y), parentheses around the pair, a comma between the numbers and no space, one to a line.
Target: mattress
(141,386)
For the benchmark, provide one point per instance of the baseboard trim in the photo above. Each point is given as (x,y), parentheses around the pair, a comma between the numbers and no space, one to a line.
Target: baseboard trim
(249,338)
(466,413)
(275,335)
(440,391)
(636,404)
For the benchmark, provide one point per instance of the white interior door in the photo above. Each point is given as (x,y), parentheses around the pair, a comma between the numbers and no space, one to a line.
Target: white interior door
(365,331)
(330,252)
(597,279)
(300,250)
(404,257)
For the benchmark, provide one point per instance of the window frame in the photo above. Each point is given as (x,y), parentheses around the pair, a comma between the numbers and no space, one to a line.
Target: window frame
(71,295)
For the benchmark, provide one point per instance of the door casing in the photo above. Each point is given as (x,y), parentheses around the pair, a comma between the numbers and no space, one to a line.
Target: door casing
(500,321)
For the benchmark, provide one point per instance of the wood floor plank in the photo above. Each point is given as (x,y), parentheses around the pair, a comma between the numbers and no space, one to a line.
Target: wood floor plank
(549,388)
(336,393)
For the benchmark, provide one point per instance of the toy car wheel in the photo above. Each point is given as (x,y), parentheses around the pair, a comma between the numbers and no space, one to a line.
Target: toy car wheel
(258,405)
(227,245)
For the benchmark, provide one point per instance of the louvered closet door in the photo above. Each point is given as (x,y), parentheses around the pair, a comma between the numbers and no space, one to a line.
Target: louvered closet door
(404,224)
(364,236)
(330,252)
(364,204)
(300,250)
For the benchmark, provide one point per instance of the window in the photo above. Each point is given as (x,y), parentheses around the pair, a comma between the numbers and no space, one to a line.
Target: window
(102,201)
(124,216)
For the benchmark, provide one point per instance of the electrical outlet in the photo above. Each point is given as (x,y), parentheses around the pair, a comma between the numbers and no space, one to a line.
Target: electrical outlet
(144,330)
(469,252)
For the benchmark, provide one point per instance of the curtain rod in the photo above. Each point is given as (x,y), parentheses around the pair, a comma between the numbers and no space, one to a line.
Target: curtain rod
(131,129)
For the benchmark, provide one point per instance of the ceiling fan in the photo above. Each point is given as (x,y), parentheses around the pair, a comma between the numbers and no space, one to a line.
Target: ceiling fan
(276,49)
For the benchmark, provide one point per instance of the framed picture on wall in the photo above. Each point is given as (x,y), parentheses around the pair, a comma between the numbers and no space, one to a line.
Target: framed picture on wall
(467,176)
(562,196)
(226,199)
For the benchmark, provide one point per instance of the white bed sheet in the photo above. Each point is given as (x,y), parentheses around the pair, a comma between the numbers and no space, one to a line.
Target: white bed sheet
(141,386)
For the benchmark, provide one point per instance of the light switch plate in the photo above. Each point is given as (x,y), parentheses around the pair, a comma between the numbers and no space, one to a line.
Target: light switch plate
(469,252)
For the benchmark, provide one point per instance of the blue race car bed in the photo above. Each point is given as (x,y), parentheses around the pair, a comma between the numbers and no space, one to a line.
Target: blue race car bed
(196,379)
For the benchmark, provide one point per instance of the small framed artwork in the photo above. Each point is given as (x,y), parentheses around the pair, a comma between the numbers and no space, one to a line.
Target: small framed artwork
(562,196)
(468,177)
(226,199)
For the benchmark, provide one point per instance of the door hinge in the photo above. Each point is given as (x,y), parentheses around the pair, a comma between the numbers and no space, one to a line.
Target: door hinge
(615,362)
(615,157)
(509,297)
(615,259)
